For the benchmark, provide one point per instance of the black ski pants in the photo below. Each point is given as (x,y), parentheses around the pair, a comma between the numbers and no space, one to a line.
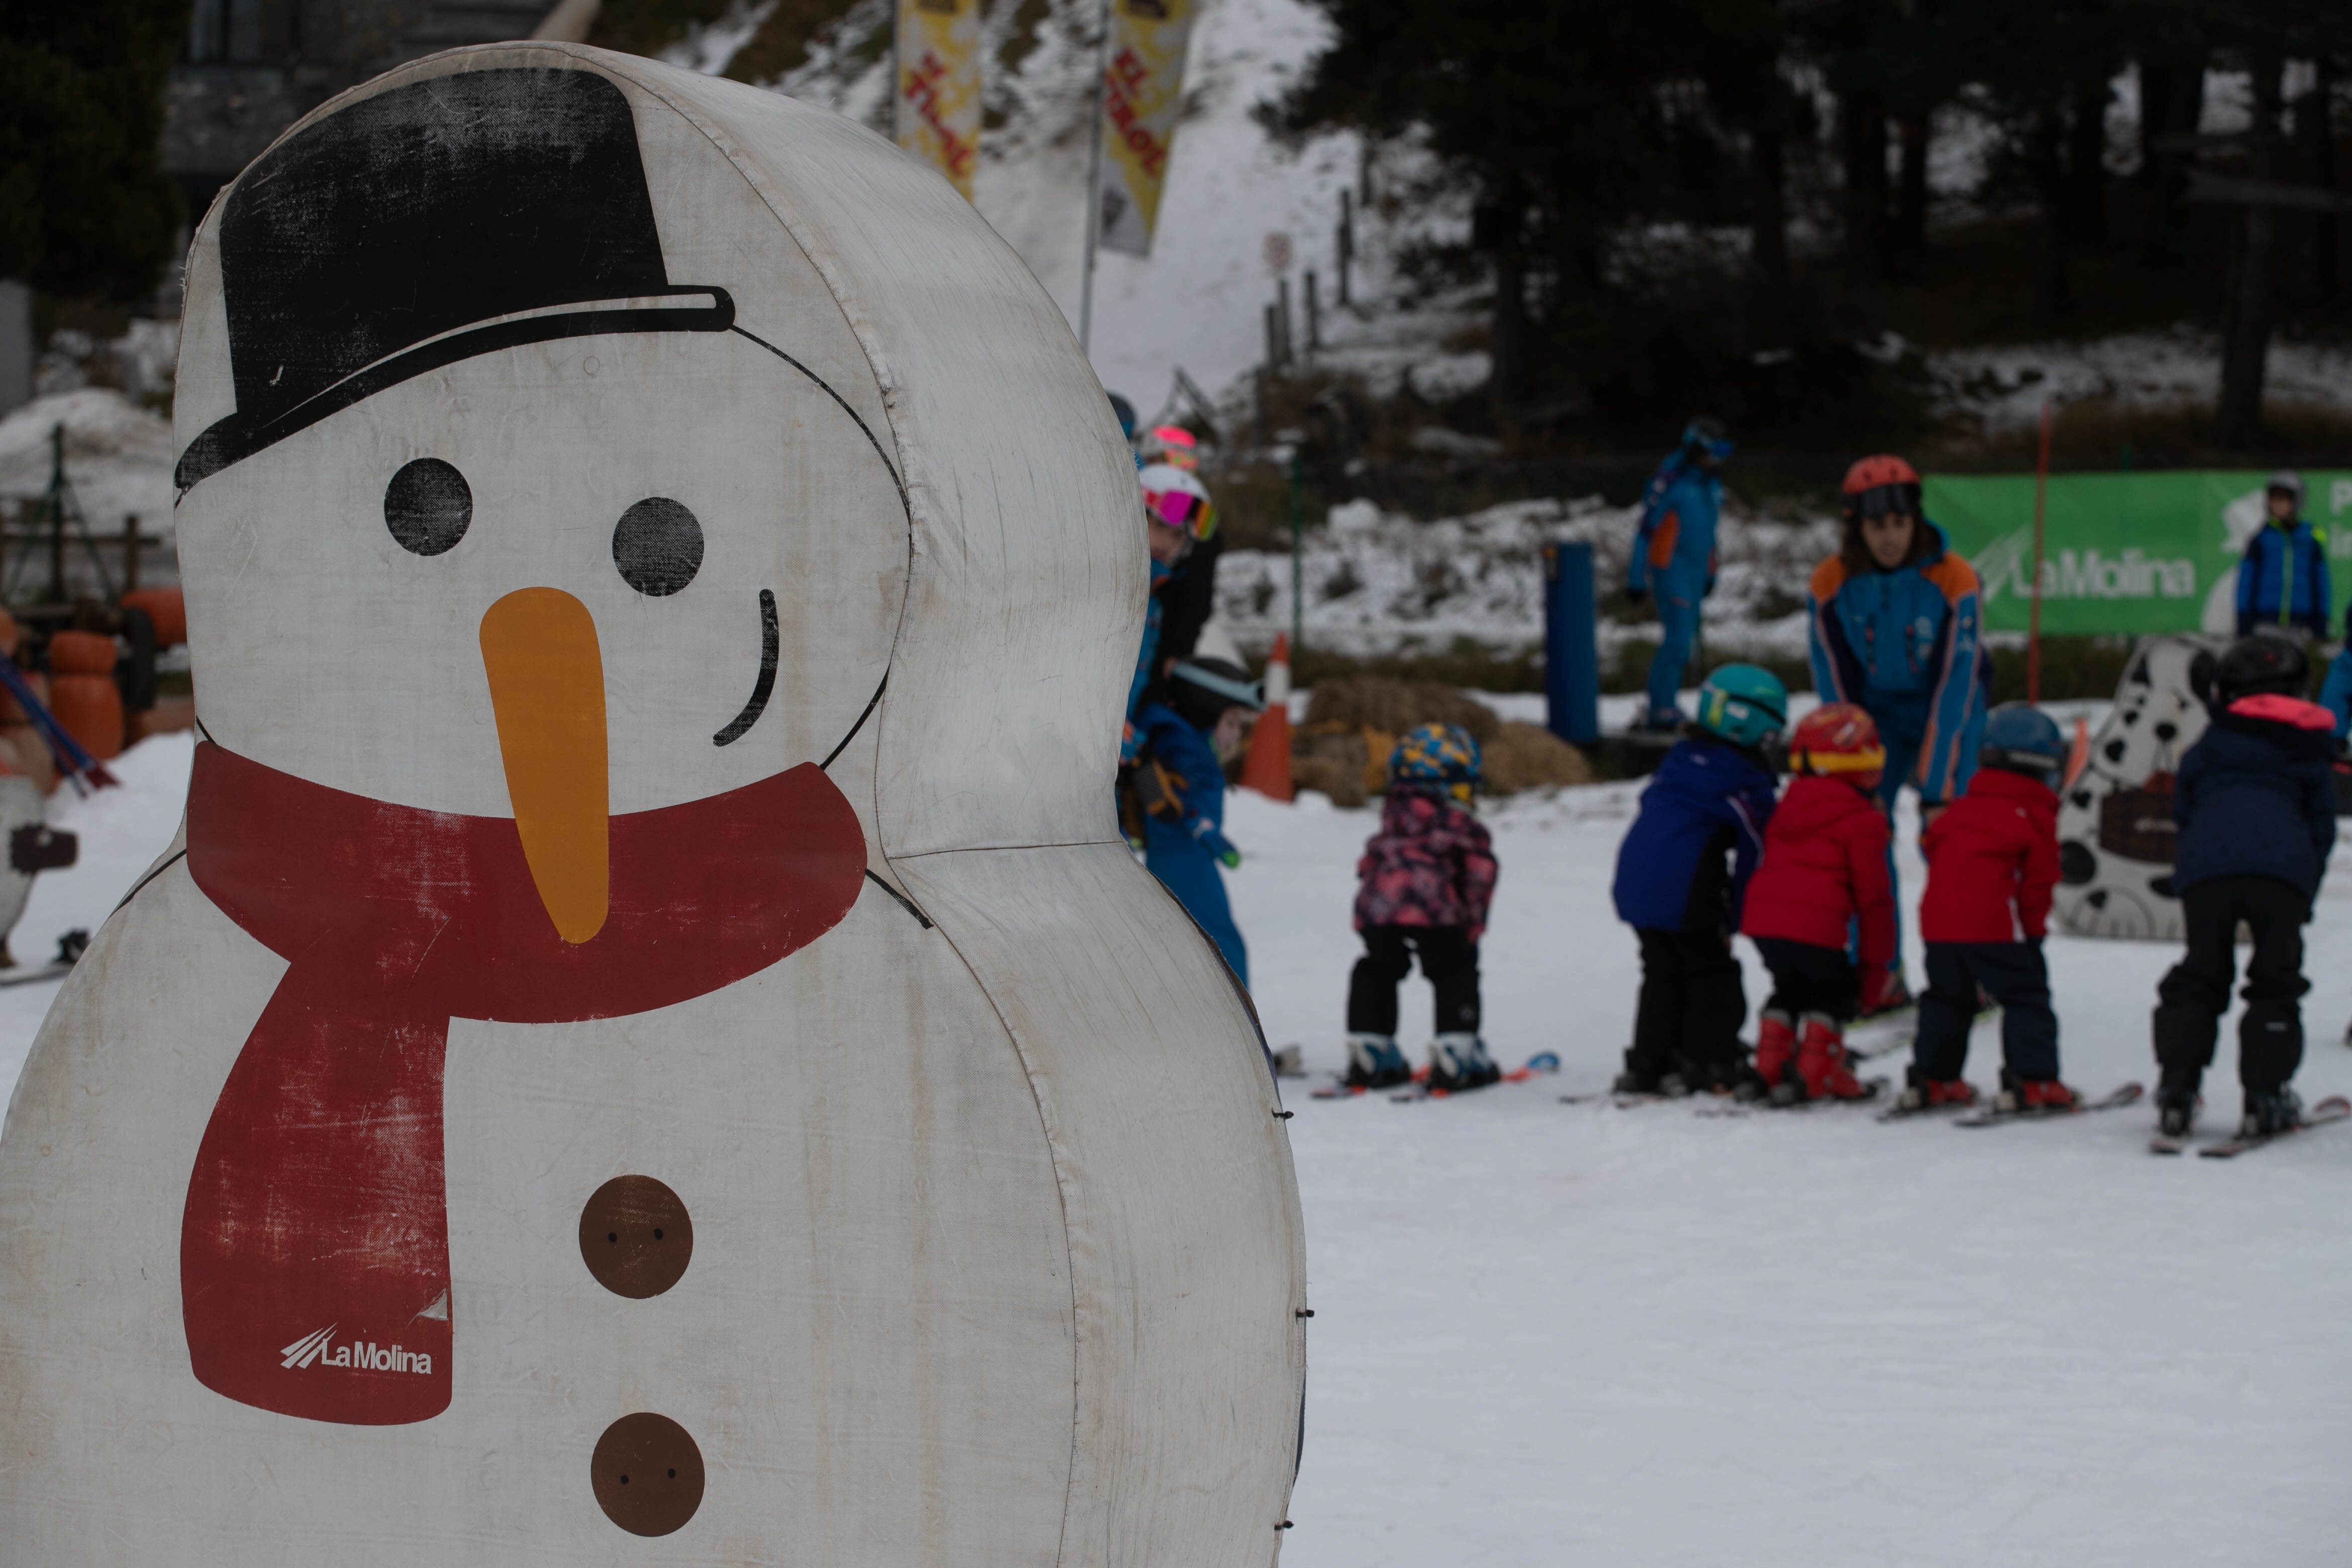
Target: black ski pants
(2196,993)
(1449,962)
(2014,975)
(1809,978)
(1692,1005)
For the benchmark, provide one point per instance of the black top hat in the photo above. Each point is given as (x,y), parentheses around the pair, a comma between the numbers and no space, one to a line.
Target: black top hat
(429,224)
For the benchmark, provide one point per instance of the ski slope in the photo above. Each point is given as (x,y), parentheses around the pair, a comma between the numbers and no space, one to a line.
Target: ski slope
(1548,1333)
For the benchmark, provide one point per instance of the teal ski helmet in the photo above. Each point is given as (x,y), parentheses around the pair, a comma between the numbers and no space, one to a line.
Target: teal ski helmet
(1744,704)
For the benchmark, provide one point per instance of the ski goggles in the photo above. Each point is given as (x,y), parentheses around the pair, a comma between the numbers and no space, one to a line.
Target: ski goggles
(1887,500)
(1194,516)
(1873,760)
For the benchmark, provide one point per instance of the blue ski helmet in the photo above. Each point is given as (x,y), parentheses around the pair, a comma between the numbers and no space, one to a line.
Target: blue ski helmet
(1745,705)
(1126,412)
(1708,439)
(2021,739)
(1435,754)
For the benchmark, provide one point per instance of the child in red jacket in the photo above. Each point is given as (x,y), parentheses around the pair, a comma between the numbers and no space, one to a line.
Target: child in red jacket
(1824,871)
(1993,858)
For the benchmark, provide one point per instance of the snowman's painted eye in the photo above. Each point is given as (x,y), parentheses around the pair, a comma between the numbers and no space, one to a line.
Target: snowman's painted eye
(428,506)
(657,545)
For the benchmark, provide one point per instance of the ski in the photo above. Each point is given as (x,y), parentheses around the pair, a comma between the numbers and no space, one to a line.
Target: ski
(2334,1108)
(2114,1099)
(1542,1063)
(70,947)
(1898,1111)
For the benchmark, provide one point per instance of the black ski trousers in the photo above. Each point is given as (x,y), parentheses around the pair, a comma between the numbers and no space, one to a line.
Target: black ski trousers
(2196,993)
(1449,962)
(1692,1005)
(2014,975)
(1809,978)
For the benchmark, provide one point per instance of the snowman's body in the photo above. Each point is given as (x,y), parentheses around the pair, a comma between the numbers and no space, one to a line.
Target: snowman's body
(995,1254)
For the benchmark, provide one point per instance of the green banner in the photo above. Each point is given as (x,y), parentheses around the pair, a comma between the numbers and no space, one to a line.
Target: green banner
(2127,552)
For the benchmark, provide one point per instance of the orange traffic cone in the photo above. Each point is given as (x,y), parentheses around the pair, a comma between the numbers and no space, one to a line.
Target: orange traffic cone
(1267,767)
(2079,753)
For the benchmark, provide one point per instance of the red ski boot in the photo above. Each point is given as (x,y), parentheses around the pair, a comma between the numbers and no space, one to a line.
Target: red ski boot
(1776,1045)
(1822,1072)
(2037,1094)
(1936,1093)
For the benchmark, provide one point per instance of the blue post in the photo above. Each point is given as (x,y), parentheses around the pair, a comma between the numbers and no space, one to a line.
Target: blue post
(1571,660)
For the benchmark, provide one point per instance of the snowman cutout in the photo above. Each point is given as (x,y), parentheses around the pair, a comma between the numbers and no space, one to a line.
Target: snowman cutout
(651,1011)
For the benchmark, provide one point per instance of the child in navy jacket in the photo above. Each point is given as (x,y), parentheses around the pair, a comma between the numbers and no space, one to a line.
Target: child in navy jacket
(2256,810)
(1992,860)
(1682,874)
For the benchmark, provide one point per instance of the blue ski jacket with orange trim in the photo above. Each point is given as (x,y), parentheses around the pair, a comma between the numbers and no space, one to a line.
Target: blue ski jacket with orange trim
(1907,643)
(1673,550)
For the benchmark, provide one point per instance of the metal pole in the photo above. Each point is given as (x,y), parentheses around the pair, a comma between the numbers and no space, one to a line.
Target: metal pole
(1093,202)
(2033,633)
(1297,562)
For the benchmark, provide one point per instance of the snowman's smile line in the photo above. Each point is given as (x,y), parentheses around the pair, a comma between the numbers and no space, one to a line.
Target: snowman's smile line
(764,684)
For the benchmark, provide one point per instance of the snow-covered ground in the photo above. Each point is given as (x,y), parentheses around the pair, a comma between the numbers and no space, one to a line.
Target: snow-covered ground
(1548,1333)
(1380,583)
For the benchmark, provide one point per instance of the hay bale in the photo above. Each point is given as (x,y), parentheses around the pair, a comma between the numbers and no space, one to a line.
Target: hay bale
(1393,707)
(1330,758)
(1528,756)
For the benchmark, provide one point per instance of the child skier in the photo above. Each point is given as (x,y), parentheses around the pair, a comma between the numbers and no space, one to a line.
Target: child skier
(1180,782)
(1824,872)
(1993,858)
(2257,818)
(2283,575)
(1681,875)
(1423,887)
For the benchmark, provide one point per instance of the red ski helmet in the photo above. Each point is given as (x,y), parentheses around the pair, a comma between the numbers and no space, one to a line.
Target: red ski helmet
(1878,485)
(1840,740)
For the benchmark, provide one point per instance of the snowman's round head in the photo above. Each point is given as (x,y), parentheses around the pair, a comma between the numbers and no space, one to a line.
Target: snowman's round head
(498,492)
(557,421)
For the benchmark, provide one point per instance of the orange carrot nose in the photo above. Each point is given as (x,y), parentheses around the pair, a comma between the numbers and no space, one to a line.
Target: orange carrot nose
(547,690)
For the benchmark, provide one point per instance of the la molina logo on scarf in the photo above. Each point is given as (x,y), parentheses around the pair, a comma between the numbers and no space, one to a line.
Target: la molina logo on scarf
(318,1348)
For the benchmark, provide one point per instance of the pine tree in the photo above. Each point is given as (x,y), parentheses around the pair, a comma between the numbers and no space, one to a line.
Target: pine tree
(85,207)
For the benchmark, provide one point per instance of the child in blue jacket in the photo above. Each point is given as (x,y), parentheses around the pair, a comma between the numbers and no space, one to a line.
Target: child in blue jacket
(2283,576)
(1682,874)
(1180,784)
(2256,810)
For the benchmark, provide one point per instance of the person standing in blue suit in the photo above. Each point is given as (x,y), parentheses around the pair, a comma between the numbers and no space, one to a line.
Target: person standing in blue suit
(1897,628)
(2283,576)
(1672,558)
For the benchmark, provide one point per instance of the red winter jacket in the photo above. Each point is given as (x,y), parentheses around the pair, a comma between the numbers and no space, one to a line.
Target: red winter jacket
(1824,864)
(1993,858)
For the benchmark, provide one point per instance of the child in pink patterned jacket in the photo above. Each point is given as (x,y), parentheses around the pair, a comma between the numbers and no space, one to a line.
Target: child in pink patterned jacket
(1426,879)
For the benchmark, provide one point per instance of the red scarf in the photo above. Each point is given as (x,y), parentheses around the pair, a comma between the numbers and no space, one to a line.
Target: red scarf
(314,1251)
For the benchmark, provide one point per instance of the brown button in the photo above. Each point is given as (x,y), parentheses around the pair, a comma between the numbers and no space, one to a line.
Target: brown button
(636,1238)
(647,1474)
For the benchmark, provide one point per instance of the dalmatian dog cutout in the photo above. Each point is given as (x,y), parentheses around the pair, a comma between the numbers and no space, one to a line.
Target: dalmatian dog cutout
(2115,833)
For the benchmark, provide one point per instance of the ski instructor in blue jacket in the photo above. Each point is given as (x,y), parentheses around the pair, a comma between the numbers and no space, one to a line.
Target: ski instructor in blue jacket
(1897,628)
(1673,557)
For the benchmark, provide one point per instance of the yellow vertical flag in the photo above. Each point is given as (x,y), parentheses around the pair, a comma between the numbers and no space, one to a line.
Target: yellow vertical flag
(936,112)
(1142,96)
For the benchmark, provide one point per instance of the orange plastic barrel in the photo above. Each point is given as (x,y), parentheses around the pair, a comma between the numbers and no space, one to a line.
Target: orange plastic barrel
(167,607)
(82,693)
(81,653)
